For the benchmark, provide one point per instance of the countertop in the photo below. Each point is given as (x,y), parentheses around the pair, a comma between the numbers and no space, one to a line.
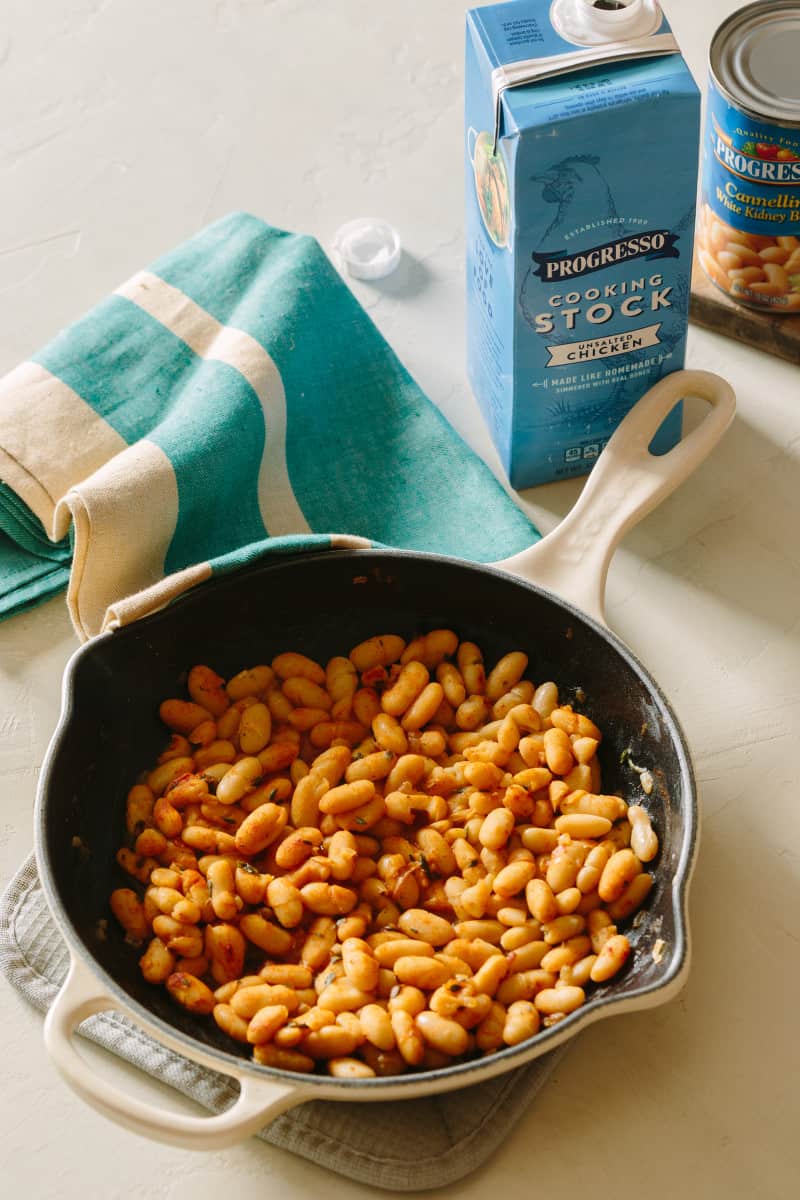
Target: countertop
(125,127)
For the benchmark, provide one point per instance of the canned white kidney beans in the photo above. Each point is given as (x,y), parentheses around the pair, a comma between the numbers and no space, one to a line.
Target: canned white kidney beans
(748,236)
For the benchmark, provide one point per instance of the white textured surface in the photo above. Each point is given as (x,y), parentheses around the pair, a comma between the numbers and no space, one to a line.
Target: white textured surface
(127,124)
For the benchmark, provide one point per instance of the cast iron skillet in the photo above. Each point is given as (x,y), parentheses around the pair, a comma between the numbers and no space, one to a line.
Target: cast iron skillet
(320,604)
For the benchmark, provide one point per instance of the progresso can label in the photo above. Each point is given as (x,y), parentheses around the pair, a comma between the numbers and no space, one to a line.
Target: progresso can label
(748,236)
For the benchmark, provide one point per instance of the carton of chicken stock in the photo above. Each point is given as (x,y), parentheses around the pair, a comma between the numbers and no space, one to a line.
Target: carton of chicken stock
(582,124)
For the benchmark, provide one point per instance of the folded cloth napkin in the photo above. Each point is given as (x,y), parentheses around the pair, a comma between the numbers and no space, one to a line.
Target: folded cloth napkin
(231,400)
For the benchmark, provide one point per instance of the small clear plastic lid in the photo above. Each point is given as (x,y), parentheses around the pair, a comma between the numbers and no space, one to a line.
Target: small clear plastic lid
(367,248)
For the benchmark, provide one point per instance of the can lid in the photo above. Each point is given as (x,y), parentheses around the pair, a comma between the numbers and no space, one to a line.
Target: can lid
(367,248)
(754,58)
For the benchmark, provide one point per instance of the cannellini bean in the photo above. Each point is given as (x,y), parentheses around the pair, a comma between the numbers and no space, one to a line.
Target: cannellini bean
(545,699)
(251,682)
(426,926)
(439,856)
(266,1022)
(574,723)
(255,728)
(247,1000)
(239,780)
(260,828)
(507,672)
(561,928)
(565,954)
(207,689)
(262,933)
(377,1026)
(225,947)
(514,878)
(471,713)
(389,734)
(527,957)
(230,1023)
(423,707)
(409,684)
(452,682)
(129,911)
(620,869)
(541,900)
(297,847)
(328,899)
(559,1000)
(442,1033)
(292,665)
(377,652)
(157,963)
(489,1034)
(191,992)
(326,732)
(611,958)
(632,898)
(408,1037)
(558,751)
(644,842)
(539,841)
(600,927)
(496,828)
(522,1022)
(373,766)
(421,971)
(331,1042)
(491,974)
(182,715)
(347,796)
(583,825)
(360,966)
(350,1068)
(270,1055)
(388,953)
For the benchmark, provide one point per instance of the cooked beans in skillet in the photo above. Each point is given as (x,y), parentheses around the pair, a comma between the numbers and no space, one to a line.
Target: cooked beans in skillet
(394,862)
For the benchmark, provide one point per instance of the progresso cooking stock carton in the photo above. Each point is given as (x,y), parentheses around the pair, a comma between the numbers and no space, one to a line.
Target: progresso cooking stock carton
(581,148)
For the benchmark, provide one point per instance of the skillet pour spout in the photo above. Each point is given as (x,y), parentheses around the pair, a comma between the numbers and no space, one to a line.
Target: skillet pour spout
(547,600)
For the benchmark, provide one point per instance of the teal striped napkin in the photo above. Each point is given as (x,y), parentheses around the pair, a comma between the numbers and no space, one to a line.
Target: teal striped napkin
(230,401)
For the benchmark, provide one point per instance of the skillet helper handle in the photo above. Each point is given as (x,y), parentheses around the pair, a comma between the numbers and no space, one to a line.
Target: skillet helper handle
(259,1101)
(627,482)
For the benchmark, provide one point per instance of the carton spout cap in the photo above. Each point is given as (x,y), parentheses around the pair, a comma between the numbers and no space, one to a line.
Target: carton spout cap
(367,248)
(595,22)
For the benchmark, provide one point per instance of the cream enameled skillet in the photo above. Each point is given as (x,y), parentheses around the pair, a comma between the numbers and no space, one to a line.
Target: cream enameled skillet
(547,601)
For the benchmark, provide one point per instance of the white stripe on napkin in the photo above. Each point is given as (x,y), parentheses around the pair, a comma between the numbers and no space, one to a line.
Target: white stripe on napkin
(152,599)
(124,520)
(209,339)
(41,459)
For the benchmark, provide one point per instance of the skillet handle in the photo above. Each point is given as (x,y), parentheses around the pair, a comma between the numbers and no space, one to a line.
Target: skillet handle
(259,1101)
(626,483)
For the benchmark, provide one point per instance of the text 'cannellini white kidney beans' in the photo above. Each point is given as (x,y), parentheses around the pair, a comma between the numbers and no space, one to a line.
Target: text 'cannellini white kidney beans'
(384,862)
